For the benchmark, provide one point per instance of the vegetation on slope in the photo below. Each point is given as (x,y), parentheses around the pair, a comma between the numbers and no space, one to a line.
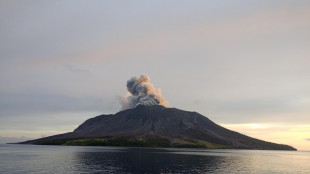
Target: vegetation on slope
(133,142)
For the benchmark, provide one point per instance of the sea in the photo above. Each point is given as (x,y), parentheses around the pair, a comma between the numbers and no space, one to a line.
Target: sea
(26,159)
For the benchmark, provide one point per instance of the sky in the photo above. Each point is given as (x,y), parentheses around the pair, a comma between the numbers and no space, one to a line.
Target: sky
(243,64)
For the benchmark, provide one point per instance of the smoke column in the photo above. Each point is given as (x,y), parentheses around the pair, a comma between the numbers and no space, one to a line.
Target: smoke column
(141,92)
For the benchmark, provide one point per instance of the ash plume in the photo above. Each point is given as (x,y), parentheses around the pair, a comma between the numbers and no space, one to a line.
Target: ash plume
(141,92)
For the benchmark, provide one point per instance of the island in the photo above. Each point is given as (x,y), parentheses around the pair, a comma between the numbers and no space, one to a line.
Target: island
(156,126)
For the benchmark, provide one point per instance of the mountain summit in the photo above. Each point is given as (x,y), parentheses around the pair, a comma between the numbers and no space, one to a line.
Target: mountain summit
(157,126)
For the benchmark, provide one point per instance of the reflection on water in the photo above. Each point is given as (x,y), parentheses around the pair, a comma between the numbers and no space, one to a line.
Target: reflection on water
(66,159)
(141,160)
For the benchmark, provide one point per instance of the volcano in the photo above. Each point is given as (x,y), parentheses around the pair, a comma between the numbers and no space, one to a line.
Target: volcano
(156,126)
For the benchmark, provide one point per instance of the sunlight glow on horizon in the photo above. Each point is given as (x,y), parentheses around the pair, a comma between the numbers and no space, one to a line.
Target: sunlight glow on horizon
(282,133)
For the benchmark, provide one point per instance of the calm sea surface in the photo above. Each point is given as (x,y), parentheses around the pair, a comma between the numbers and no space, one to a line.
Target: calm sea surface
(23,159)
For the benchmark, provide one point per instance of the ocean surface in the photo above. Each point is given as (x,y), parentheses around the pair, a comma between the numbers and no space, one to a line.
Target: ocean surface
(25,159)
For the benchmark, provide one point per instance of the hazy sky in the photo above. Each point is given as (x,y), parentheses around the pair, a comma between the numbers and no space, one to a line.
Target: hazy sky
(243,64)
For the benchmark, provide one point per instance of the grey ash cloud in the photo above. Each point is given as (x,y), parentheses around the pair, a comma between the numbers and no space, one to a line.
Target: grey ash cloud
(141,92)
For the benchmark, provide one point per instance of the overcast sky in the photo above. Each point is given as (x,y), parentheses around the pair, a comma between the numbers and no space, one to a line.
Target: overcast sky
(243,64)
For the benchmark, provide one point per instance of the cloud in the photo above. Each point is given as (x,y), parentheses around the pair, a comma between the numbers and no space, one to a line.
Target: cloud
(308,139)
(197,102)
(75,69)
(37,101)
(214,36)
